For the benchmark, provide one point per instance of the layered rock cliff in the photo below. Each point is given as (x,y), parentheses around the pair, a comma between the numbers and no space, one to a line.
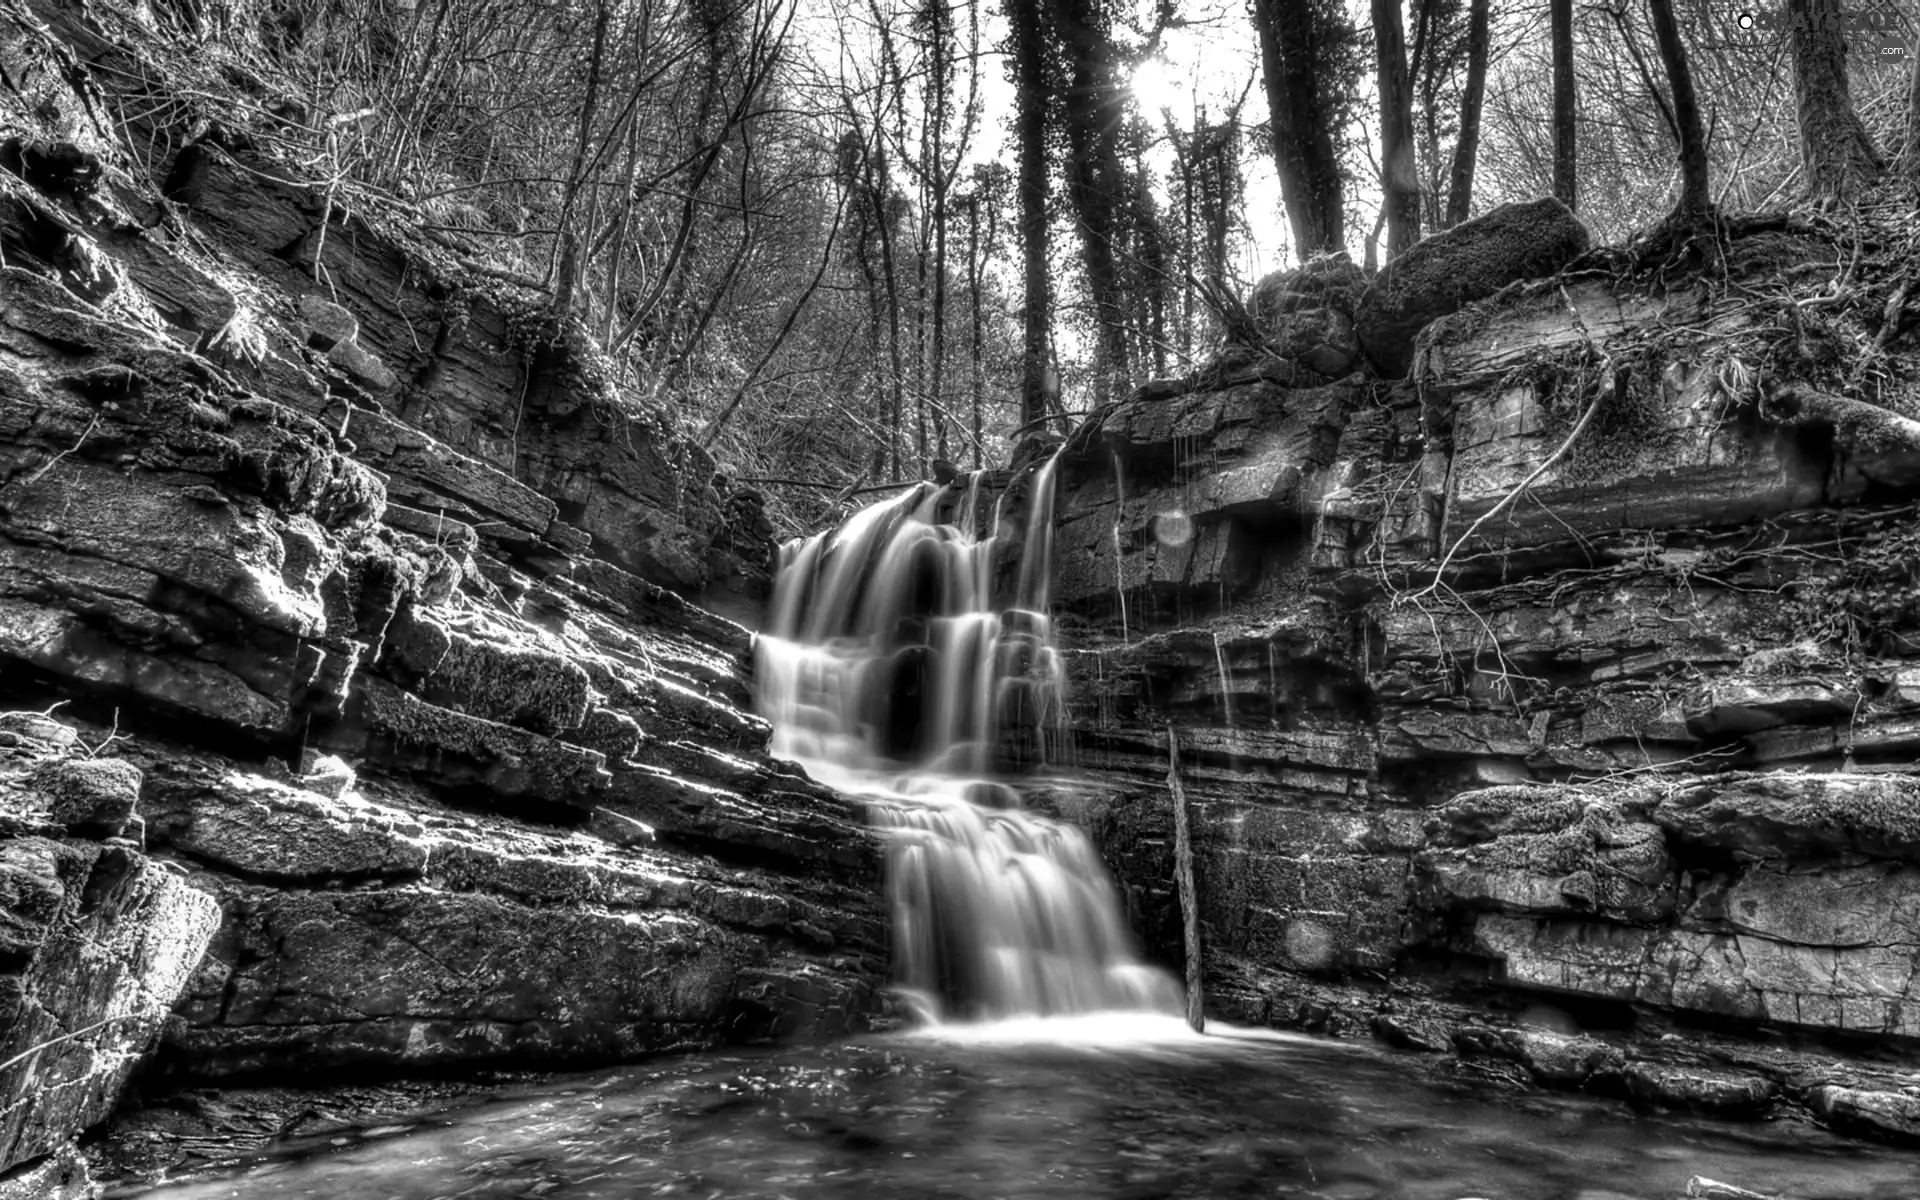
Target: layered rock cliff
(363,586)
(1550,652)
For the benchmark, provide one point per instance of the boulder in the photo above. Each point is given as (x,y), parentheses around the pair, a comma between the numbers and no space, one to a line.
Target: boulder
(1450,270)
(1306,314)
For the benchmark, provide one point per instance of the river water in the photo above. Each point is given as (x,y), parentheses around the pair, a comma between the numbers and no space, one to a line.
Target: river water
(1130,1107)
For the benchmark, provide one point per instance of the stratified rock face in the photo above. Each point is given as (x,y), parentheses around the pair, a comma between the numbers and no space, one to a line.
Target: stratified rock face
(1637,741)
(377,583)
(97,940)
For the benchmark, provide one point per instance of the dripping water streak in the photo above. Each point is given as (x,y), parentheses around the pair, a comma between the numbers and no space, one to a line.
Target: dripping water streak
(1119,558)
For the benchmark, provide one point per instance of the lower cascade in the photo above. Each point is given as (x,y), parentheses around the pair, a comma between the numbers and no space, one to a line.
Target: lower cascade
(890,672)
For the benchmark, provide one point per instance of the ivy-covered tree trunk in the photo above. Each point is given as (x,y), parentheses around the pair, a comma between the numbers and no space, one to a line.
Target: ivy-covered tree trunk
(1298,103)
(1835,149)
(1093,108)
(1027,21)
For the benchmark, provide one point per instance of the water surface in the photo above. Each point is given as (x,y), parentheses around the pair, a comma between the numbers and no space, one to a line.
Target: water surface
(1130,1107)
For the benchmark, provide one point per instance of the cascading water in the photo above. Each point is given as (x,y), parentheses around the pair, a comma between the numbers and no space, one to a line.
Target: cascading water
(889,673)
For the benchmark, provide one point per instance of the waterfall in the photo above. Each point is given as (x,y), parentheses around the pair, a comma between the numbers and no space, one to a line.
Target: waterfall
(889,672)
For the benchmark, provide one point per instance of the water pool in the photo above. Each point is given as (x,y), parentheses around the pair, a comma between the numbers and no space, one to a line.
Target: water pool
(1129,1107)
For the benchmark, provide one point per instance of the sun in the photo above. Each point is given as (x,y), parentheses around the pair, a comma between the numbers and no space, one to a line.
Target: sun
(1155,88)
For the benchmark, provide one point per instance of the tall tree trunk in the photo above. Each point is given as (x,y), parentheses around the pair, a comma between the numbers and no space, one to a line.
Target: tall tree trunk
(1565,160)
(939,33)
(1028,25)
(977,348)
(1399,179)
(1183,149)
(1835,148)
(1152,271)
(1298,105)
(1696,201)
(1093,109)
(878,187)
(569,243)
(1467,148)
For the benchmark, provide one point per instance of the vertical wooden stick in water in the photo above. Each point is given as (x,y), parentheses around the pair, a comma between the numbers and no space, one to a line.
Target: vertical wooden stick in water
(1183,879)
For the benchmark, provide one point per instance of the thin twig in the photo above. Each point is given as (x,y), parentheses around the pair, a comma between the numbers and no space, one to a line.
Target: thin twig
(44,467)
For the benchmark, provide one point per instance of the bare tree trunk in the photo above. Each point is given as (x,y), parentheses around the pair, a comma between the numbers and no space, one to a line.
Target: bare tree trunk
(1183,883)
(891,281)
(1467,148)
(939,33)
(1910,153)
(1028,22)
(1696,201)
(1565,160)
(1399,179)
(1303,153)
(977,350)
(1835,148)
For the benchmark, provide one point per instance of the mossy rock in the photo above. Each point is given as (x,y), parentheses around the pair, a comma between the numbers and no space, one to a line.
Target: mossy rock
(1451,270)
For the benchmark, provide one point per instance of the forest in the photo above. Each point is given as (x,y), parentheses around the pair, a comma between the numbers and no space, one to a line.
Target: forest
(842,241)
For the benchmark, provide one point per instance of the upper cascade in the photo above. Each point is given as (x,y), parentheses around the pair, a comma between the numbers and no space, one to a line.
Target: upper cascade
(890,672)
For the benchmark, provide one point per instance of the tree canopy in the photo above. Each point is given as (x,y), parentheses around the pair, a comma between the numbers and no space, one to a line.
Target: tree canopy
(843,240)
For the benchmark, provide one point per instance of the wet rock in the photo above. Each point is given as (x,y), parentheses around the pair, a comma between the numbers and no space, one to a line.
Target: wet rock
(1444,273)
(61,1175)
(1412,1033)
(1712,1189)
(1889,1116)
(1702,1089)
(1561,1061)
(1553,1059)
